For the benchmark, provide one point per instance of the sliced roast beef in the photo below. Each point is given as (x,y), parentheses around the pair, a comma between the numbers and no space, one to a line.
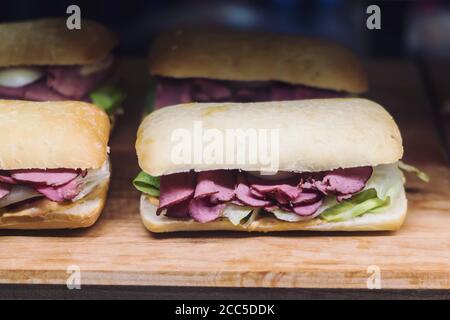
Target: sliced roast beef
(341,182)
(69,82)
(217,184)
(307,209)
(175,188)
(60,193)
(205,198)
(179,210)
(5,189)
(39,91)
(202,210)
(170,91)
(244,195)
(52,177)
(6,178)
(12,93)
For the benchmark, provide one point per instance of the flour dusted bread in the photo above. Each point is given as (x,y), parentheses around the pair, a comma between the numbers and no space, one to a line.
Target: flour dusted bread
(250,56)
(50,42)
(314,135)
(46,214)
(52,135)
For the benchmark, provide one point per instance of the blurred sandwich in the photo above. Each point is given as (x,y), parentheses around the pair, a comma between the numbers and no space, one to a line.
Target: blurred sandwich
(42,60)
(229,66)
(337,168)
(54,168)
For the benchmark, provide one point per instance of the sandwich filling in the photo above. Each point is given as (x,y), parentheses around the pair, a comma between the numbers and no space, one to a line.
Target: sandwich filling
(57,83)
(58,185)
(335,195)
(170,91)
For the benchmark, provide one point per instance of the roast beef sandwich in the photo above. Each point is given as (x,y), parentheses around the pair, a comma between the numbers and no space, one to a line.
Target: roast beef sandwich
(229,66)
(42,60)
(320,164)
(54,169)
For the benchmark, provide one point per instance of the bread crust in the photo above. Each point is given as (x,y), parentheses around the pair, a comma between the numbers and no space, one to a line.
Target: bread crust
(390,220)
(50,135)
(251,56)
(49,42)
(314,135)
(46,214)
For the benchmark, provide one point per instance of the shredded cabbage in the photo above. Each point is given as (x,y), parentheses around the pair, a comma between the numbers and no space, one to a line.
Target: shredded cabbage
(411,169)
(385,184)
(236,213)
(93,179)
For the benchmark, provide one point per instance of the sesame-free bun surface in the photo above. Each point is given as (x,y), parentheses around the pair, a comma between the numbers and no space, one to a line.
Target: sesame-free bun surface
(390,219)
(46,214)
(49,42)
(50,135)
(250,56)
(314,135)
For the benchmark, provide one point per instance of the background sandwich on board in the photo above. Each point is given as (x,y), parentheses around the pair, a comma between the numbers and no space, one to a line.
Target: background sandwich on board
(54,167)
(219,65)
(42,60)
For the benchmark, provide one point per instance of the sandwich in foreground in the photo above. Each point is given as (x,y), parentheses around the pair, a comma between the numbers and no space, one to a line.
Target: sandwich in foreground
(42,60)
(228,66)
(54,168)
(322,164)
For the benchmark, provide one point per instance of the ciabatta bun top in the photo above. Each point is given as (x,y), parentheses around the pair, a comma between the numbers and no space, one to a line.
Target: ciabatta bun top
(50,42)
(314,135)
(48,135)
(251,56)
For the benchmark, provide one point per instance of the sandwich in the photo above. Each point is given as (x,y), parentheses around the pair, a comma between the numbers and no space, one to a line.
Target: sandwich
(42,60)
(54,168)
(229,66)
(271,166)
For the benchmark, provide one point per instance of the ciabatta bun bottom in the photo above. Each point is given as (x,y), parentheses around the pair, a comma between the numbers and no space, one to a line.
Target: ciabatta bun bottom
(389,220)
(45,214)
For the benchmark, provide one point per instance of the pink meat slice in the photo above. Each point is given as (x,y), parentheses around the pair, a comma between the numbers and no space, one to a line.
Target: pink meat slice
(175,188)
(172,91)
(52,177)
(39,91)
(206,90)
(67,191)
(244,195)
(202,210)
(5,189)
(12,93)
(306,197)
(179,210)
(307,209)
(347,181)
(218,184)
(6,178)
(69,82)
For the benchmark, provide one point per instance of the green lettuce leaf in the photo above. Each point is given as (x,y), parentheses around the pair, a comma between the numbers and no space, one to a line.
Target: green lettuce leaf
(147,184)
(385,184)
(355,206)
(108,97)
(411,169)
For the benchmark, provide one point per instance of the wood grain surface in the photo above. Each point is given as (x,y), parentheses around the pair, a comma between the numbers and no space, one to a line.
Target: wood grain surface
(119,251)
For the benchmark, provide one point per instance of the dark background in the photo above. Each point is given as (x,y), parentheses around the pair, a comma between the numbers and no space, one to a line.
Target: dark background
(409,28)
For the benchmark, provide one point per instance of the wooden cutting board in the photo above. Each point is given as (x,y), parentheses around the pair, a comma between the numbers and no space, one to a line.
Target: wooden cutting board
(119,251)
